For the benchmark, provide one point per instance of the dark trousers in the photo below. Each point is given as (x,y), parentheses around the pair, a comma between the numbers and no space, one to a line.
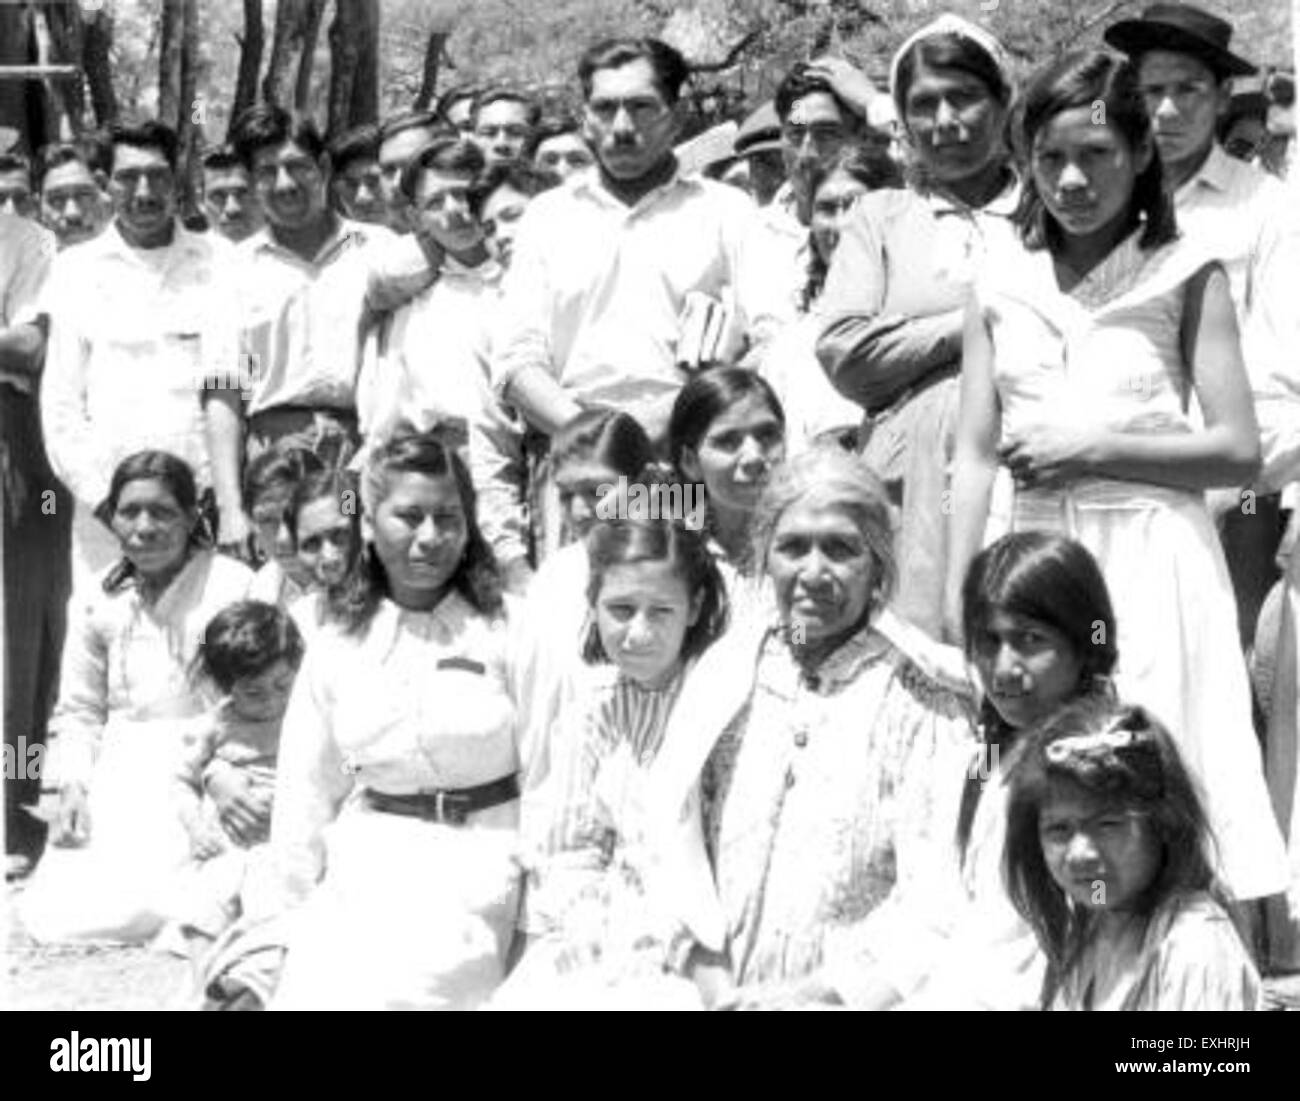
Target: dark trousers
(1250,539)
(37,555)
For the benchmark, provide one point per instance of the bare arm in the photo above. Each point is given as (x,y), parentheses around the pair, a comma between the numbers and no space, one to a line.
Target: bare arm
(224,424)
(536,393)
(1225,452)
(975,462)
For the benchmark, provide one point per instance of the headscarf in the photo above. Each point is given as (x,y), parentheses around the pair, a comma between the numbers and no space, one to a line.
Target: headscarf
(945,26)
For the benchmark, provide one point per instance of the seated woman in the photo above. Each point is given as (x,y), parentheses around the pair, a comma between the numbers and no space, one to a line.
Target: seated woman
(656,602)
(827,760)
(397,790)
(1040,633)
(124,697)
(1107,857)
(588,455)
(726,433)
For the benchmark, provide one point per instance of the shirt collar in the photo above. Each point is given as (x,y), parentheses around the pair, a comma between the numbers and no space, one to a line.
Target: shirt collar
(1215,173)
(592,186)
(846,662)
(114,244)
(1002,205)
(346,232)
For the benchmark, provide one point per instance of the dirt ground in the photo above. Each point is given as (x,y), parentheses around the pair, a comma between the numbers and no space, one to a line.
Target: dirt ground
(105,977)
(85,976)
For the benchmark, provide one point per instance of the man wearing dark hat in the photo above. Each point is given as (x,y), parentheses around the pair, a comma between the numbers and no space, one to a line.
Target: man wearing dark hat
(1240,214)
(758,141)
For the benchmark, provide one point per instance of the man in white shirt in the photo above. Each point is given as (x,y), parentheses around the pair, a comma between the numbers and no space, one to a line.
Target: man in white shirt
(604,268)
(433,367)
(301,297)
(1242,215)
(139,317)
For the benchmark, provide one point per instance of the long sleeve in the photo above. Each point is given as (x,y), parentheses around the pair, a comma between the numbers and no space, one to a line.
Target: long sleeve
(70,438)
(500,473)
(871,354)
(310,782)
(523,331)
(82,709)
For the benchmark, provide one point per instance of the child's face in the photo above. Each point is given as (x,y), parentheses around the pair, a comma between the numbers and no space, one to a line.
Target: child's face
(1027,668)
(1102,854)
(264,697)
(578,482)
(273,538)
(643,613)
(1085,171)
(325,541)
(737,453)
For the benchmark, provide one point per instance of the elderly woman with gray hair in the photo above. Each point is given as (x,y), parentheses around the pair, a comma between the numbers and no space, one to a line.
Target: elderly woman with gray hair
(817,756)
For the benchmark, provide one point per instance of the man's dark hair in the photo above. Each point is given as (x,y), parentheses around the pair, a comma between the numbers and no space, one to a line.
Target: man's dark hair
(412,120)
(498,93)
(149,134)
(268,124)
(799,82)
(670,68)
(520,176)
(16,162)
(360,143)
(56,155)
(222,159)
(446,154)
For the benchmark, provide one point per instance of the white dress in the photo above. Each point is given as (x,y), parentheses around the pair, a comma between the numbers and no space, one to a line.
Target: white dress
(1109,355)
(124,698)
(396,911)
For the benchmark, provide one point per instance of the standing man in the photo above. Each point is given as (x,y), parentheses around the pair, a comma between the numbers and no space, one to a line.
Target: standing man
(561,148)
(400,138)
(35,537)
(228,199)
(16,185)
(604,269)
(72,199)
(504,124)
(1241,215)
(139,316)
(302,287)
(355,183)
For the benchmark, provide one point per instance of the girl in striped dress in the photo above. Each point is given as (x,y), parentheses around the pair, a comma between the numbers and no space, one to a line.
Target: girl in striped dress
(655,602)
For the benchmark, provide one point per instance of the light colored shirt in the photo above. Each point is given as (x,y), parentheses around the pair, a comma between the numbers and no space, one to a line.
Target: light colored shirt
(300,320)
(781,253)
(596,289)
(434,369)
(1248,220)
(25,252)
(134,334)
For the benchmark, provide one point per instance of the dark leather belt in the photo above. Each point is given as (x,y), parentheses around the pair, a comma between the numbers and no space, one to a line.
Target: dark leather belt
(451,806)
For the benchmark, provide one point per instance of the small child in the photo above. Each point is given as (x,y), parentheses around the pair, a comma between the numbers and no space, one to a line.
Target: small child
(1107,858)
(250,655)
(656,601)
(323,520)
(269,485)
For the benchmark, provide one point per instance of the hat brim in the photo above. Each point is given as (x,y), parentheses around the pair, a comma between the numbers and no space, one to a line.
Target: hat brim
(762,145)
(1137,36)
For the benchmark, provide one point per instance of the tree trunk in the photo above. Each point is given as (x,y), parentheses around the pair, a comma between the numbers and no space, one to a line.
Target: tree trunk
(433,54)
(169,61)
(190,112)
(286,46)
(302,87)
(354,64)
(15,49)
(66,45)
(250,62)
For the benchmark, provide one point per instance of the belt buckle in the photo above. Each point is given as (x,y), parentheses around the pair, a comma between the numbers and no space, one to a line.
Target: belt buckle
(450,808)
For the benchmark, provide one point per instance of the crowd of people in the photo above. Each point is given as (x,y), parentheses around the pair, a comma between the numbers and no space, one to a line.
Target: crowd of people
(860,574)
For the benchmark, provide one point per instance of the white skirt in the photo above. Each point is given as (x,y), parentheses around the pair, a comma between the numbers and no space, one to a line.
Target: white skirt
(410,914)
(1179,653)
